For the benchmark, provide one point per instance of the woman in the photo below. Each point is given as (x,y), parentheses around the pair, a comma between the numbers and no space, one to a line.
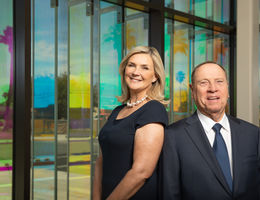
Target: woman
(132,138)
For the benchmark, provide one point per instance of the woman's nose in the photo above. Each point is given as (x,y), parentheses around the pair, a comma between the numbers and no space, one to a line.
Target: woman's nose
(136,71)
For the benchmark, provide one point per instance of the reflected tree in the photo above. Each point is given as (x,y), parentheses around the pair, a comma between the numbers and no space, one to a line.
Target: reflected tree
(62,96)
(130,38)
(7,39)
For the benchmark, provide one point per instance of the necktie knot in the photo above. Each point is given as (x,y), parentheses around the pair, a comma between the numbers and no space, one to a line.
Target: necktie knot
(217,127)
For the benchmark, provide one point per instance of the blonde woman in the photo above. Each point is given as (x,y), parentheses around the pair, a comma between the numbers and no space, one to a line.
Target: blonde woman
(132,138)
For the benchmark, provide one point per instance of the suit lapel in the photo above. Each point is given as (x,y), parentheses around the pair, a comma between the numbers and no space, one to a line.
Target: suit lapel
(235,138)
(200,140)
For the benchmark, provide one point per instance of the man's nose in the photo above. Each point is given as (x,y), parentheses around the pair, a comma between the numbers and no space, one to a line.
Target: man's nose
(212,87)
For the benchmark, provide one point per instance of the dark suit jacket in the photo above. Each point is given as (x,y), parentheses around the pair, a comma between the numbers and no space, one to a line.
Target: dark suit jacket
(189,169)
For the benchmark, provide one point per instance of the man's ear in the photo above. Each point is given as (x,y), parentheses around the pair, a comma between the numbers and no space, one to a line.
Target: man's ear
(191,88)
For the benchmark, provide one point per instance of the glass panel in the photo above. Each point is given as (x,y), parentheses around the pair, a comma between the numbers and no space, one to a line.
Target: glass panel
(200,8)
(111,55)
(79,102)
(202,45)
(6,98)
(62,101)
(187,46)
(136,28)
(181,70)
(43,175)
(221,49)
(181,5)
(168,45)
(221,53)
(216,10)
(221,11)
(225,12)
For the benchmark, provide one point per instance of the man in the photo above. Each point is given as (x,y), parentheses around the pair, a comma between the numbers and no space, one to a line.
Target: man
(204,161)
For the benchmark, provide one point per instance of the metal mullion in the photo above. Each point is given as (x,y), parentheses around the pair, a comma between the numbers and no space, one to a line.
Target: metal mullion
(55,100)
(32,117)
(68,107)
(171,72)
(232,60)
(91,100)
(22,100)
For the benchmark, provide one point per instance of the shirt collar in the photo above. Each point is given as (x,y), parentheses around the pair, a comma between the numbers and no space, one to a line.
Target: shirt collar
(208,123)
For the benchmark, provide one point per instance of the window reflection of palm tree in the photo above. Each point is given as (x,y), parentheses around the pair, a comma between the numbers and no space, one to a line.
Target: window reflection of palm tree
(219,49)
(7,39)
(180,76)
(115,34)
(180,42)
(180,46)
(130,38)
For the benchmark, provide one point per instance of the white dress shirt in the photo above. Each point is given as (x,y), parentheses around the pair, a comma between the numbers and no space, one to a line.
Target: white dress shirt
(225,131)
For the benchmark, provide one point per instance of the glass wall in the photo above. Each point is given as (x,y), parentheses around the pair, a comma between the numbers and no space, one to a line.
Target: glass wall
(216,10)
(6,98)
(76,55)
(185,47)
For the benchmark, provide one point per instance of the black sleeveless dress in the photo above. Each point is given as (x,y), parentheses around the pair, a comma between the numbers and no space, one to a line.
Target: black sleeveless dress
(116,140)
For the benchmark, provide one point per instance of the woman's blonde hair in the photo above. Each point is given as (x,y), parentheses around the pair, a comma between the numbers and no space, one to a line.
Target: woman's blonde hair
(156,92)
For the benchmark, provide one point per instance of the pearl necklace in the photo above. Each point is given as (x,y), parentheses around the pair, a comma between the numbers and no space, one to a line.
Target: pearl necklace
(135,103)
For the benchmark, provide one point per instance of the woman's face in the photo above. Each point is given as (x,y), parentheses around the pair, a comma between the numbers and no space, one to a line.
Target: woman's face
(139,73)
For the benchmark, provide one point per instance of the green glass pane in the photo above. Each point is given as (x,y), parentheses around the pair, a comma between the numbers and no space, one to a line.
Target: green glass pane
(167,55)
(200,46)
(200,8)
(110,54)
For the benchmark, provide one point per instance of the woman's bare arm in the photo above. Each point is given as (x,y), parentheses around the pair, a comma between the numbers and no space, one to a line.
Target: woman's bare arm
(147,149)
(97,186)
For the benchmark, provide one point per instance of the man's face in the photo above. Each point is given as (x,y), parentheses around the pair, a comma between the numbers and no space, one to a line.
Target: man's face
(210,90)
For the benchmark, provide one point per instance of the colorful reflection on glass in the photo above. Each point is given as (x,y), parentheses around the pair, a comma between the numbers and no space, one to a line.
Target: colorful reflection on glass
(6,98)
(79,102)
(43,101)
(110,57)
(167,56)
(62,168)
(185,47)
(136,29)
(217,10)
(181,70)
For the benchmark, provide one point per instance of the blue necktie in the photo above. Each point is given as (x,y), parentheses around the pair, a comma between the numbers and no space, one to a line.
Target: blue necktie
(220,150)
